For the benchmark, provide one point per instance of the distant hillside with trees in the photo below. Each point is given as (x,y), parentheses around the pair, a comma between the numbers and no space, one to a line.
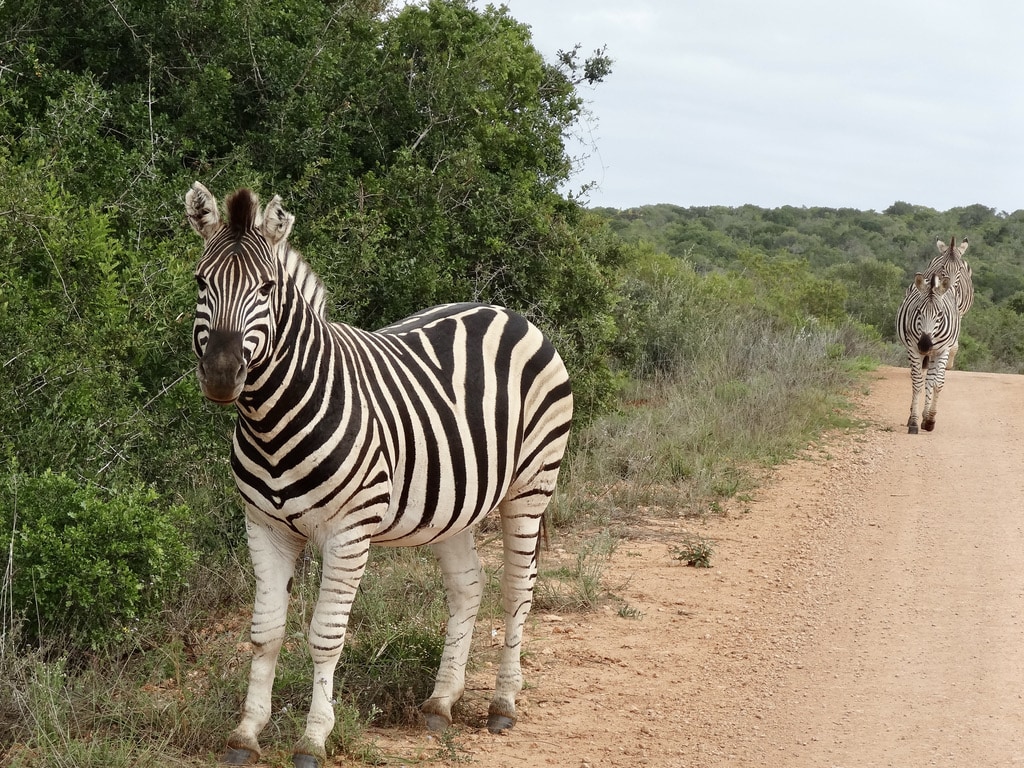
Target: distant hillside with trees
(860,262)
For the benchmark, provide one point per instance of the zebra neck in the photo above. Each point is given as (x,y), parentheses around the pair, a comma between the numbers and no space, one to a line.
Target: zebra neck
(300,366)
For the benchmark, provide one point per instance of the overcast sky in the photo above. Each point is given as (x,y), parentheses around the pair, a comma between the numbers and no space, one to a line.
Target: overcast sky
(798,102)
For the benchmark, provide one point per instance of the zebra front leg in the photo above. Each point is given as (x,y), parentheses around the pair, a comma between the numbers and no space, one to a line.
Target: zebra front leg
(520,526)
(273,560)
(917,382)
(464,586)
(344,562)
(936,378)
(952,355)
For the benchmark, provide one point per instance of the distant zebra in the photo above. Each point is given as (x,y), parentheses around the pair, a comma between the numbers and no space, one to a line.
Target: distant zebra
(928,323)
(406,436)
(951,261)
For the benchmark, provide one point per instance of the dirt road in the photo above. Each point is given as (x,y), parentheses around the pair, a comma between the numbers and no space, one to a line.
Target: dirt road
(865,609)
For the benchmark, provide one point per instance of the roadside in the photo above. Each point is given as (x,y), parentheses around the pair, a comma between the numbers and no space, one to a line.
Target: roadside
(865,609)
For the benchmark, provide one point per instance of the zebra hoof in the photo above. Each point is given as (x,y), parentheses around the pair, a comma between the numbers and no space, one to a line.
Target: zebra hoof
(300,760)
(912,429)
(436,723)
(928,426)
(234,756)
(500,723)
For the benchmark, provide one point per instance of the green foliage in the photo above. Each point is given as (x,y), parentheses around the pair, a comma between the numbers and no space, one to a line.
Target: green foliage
(160,709)
(388,668)
(725,376)
(88,565)
(395,637)
(873,288)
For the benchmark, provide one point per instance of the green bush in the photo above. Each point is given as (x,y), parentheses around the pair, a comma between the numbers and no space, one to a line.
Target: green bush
(87,564)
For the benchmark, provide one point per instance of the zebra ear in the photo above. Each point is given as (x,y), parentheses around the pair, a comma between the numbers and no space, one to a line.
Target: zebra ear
(277,222)
(919,281)
(941,246)
(962,248)
(201,210)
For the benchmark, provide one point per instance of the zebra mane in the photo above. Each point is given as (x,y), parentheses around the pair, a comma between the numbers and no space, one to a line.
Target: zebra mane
(243,211)
(306,281)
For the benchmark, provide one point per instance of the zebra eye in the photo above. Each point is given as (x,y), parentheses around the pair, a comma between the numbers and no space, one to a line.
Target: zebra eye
(201,282)
(266,288)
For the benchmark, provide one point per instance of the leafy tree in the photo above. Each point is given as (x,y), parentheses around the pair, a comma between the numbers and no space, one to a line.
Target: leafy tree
(873,288)
(421,151)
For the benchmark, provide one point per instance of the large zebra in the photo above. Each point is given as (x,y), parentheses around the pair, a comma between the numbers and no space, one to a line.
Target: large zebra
(950,260)
(928,323)
(406,436)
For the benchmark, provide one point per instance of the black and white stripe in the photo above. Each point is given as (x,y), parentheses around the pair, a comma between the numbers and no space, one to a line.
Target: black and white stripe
(928,324)
(404,436)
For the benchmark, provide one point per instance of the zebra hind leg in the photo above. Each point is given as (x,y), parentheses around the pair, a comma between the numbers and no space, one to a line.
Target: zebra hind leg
(521,521)
(463,578)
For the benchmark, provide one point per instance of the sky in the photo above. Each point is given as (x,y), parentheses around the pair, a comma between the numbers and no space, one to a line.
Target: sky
(796,102)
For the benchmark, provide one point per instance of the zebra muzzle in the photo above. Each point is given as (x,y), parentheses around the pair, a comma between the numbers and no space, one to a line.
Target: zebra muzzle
(222,368)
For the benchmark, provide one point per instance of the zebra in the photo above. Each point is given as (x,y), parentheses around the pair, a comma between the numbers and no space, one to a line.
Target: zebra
(928,323)
(404,436)
(950,260)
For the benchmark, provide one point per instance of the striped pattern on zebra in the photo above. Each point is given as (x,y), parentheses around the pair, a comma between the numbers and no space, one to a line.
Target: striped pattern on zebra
(950,260)
(928,324)
(405,436)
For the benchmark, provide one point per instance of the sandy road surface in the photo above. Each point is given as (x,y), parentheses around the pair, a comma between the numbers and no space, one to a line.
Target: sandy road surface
(865,609)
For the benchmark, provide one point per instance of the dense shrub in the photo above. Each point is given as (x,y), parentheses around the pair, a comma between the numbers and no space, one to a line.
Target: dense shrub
(87,564)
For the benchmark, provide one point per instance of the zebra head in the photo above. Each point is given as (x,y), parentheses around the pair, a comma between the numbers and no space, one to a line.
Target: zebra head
(238,278)
(934,285)
(952,251)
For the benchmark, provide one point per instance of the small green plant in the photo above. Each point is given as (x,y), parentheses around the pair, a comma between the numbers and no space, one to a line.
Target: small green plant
(448,749)
(627,611)
(695,551)
(389,672)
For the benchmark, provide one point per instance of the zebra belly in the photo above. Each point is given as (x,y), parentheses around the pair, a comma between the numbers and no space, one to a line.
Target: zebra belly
(413,531)
(414,523)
